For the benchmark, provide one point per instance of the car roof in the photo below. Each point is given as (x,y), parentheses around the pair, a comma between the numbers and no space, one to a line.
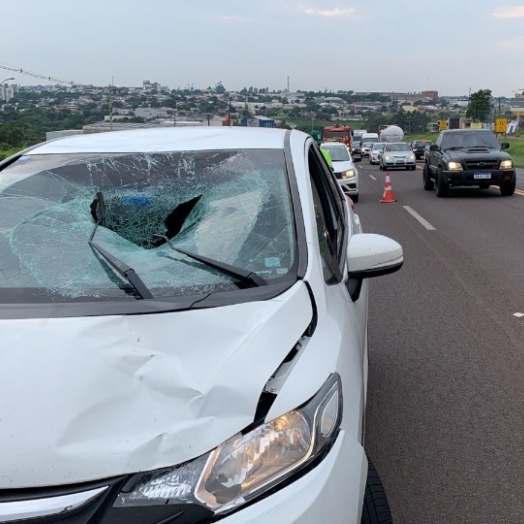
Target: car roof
(466,130)
(331,144)
(168,139)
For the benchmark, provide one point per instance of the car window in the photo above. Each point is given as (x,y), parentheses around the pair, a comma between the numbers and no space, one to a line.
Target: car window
(331,219)
(338,153)
(397,147)
(233,206)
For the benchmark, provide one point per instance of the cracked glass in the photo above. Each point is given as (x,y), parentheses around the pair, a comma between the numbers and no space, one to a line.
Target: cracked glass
(231,206)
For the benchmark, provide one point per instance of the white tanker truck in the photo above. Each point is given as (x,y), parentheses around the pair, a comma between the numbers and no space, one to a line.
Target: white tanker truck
(391,133)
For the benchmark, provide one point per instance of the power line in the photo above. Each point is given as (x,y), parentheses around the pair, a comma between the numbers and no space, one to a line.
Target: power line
(33,74)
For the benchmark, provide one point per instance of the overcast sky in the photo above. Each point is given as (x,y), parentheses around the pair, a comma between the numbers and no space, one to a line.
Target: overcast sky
(362,45)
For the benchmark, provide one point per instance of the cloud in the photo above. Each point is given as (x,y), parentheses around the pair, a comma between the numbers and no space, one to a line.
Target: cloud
(335,12)
(516,11)
(512,44)
(232,19)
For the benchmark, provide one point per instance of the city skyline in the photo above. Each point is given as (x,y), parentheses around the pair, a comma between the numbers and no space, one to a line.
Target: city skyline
(323,45)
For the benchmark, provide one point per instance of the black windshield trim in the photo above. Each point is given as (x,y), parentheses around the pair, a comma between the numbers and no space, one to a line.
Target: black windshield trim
(124,306)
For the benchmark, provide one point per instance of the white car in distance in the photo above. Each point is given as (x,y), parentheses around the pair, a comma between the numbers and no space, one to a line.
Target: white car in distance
(375,152)
(343,167)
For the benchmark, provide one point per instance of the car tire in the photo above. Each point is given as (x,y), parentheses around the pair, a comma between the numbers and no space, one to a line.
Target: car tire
(484,186)
(428,183)
(375,509)
(441,188)
(354,198)
(508,188)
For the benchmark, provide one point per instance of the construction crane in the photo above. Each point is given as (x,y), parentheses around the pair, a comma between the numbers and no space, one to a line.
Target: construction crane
(21,71)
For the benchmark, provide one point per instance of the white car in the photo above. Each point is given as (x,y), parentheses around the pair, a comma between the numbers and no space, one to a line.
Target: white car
(343,167)
(375,152)
(183,318)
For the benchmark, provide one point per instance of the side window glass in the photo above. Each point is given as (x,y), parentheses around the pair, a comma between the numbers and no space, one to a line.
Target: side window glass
(439,140)
(329,214)
(326,247)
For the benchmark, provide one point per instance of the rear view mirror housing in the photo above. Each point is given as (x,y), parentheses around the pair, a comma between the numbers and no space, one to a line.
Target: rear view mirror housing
(433,147)
(504,145)
(370,255)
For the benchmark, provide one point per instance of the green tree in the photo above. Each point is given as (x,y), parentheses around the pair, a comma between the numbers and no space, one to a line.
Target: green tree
(479,106)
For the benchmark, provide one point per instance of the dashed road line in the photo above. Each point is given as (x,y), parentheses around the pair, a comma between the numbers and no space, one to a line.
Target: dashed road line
(420,219)
(519,192)
(373,177)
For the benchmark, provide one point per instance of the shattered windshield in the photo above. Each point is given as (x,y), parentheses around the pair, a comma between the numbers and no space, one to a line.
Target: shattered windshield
(233,207)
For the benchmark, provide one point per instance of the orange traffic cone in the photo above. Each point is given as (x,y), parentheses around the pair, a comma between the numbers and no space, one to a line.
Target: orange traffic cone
(388,195)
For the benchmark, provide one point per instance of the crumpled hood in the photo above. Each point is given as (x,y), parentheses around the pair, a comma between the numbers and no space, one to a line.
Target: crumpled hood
(96,397)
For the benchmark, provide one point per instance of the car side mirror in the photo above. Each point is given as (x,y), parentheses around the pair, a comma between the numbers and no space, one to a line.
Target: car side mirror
(368,256)
(504,145)
(433,147)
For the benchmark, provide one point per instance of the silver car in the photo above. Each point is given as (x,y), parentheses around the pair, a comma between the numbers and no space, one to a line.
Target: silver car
(397,154)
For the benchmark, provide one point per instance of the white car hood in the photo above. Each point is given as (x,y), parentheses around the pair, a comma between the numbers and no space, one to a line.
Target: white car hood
(96,397)
(344,165)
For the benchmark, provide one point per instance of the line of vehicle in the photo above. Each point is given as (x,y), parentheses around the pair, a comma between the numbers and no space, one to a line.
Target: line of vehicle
(420,219)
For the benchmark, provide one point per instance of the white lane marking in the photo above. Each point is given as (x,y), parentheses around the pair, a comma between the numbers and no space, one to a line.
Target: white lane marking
(518,315)
(423,221)
(372,177)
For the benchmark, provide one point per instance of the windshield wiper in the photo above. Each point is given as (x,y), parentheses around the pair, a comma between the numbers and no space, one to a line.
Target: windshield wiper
(120,267)
(248,277)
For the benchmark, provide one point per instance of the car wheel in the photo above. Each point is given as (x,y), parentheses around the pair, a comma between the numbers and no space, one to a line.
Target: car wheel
(428,183)
(484,186)
(508,188)
(375,509)
(441,188)
(354,198)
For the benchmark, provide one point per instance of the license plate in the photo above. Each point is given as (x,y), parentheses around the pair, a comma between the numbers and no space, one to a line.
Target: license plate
(481,176)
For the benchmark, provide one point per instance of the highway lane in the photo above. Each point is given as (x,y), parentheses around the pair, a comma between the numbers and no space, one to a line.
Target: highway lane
(445,421)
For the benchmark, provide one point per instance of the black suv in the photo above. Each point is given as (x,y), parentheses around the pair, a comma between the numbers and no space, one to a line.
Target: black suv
(468,157)
(417,146)
(356,150)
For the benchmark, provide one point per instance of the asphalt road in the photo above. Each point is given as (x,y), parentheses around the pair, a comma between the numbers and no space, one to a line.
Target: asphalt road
(445,420)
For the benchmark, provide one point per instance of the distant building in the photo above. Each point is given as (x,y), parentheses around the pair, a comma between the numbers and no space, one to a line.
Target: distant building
(257,121)
(432,95)
(150,113)
(8,91)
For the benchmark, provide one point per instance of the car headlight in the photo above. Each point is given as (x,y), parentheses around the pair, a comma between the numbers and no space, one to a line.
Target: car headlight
(350,173)
(388,157)
(248,464)
(506,164)
(412,157)
(454,166)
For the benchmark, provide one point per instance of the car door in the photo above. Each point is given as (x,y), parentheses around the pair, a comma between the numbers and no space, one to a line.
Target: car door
(435,155)
(335,227)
